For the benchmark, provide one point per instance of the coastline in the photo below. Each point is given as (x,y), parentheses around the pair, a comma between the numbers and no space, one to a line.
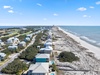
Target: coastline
(90,47)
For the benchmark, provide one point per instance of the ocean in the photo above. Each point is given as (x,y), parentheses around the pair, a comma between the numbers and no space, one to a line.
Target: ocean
(90,34)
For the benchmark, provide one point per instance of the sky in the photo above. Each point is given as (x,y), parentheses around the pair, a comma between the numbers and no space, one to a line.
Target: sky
(50,12)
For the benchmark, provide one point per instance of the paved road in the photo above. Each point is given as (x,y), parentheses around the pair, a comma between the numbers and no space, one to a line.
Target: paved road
(15,55)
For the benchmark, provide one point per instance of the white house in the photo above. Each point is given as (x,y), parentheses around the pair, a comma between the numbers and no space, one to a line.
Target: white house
(2,56)
(47,49)
(42,58)
(39,69)
(27,39)
(24,28)
(0,40)
(22,44)
(48,44)
(1,43)
(13,41)
(29,35)
(13,47)
(49,40)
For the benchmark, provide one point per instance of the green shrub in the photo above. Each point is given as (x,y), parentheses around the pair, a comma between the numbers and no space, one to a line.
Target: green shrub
(67,57)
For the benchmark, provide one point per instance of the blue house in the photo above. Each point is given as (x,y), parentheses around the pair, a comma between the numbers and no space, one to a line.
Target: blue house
(42,58)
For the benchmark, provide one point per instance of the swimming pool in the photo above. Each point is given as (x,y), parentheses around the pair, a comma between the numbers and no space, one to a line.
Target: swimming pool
(52,74)
(52,62)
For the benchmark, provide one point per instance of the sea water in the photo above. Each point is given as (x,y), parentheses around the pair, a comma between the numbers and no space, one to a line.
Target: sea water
(90,34)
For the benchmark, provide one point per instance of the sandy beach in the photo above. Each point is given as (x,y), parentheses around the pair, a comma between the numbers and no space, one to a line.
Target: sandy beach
(89,63)
(91,48)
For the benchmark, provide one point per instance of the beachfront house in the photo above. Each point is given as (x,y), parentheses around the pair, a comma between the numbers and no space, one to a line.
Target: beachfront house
(49,40)
(13,47)
(13,41)
(39,69)
(49,34)
(48,44)
(47,50)
(2,56)
(22,44)
(42,58)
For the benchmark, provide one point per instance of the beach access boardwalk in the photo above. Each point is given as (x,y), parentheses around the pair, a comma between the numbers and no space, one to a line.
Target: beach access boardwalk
(15,55)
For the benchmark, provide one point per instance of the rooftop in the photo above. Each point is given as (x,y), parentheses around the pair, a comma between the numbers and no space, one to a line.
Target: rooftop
(39,68)
(42,56)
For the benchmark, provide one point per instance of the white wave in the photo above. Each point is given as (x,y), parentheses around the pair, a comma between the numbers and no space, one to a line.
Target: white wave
(98,44)
(73,32)
(87,39)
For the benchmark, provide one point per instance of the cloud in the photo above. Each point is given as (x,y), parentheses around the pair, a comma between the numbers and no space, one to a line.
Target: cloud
(44,19)
(7,7)
(86,16)
(91,7)
(10,11)
(82,9)
(39,4)
(55,14)
(20,0)
(98,3)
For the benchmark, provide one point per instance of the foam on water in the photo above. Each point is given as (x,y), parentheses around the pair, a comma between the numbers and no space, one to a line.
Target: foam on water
(90,34)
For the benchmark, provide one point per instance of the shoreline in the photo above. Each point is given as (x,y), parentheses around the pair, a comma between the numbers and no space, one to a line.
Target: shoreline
(90,47)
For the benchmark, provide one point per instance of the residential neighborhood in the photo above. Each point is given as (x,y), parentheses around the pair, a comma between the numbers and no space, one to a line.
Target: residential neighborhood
(41,61)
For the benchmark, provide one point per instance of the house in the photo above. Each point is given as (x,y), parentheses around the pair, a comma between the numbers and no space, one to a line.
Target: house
(33,33)
(24,29)
(49,40)
(29,35)
(38,47)
(39,69)
(49,34)
(13,41)
(42,58)
(2,56)
(48,44)
(47,50)
(13,47)
(22,44)
(1,43)
(27,39)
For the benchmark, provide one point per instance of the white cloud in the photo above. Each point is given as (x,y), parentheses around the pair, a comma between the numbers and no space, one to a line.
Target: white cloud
(39,4)
(82,9)
(89,16)
(20,0)
(55,14)
(91,7)
(44,19)
(86,16)
(7,7)
(98,2)
(10,11)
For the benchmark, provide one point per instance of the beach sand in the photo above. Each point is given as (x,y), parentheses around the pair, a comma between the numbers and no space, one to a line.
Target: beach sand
(89,55)
(91,48)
